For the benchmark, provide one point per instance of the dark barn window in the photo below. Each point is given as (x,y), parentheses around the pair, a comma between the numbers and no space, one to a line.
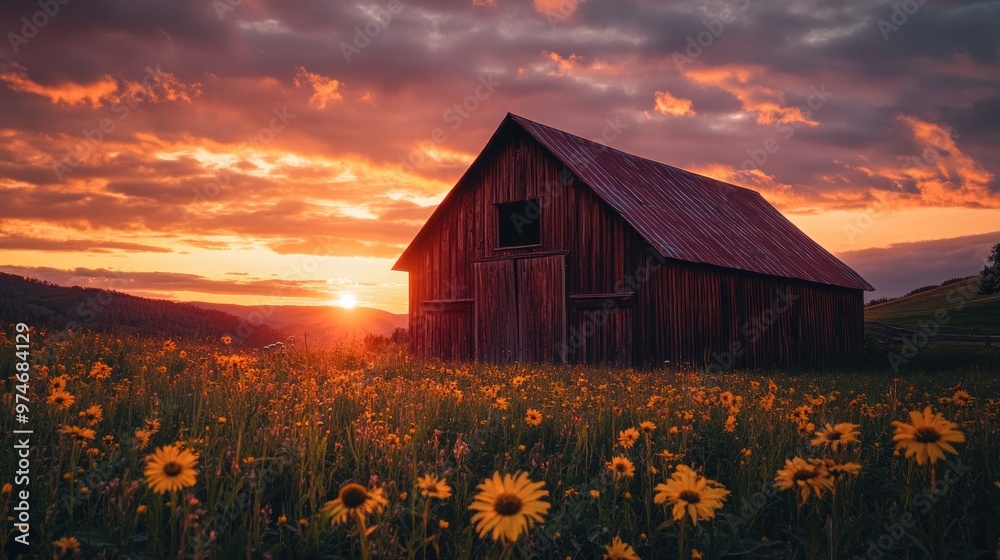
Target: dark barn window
(519,223)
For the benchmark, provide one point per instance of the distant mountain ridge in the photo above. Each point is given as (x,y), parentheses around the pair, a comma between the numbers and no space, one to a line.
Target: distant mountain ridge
(53,307)
(323,325)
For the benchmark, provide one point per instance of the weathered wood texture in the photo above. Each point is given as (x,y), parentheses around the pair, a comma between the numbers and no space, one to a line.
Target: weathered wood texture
(594,291)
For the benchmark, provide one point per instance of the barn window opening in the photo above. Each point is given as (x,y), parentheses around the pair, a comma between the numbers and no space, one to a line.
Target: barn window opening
(520,223)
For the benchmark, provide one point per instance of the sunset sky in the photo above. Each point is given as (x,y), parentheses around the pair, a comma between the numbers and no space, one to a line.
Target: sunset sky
(256,152)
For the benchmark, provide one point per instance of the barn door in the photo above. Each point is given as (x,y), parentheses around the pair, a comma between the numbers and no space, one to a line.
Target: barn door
(520,309)
(541,308)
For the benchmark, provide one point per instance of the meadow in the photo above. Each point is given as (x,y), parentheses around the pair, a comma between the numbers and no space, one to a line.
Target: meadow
(155,448)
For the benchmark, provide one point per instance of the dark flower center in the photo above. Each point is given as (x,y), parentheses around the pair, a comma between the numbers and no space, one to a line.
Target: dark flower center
(804,474)
(927,434)
(834,436)
(353,496)
(173,468)
(507,504)
(690,496)
(620,467)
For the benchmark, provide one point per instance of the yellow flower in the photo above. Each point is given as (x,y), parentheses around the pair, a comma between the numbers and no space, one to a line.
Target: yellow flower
(695,554)
(501,403)
(141,509)
(100,371)
(647,427)
(804,477)
(767,403)
(141,439)
(58,383)
(618,550)
(7,489)
(170,468)
(691,494)
(508,506)
(628,437)
(443,525)
(668,456)
(927,436)
(595,494)
(354,500)
(533,417)
(282,520)
(61,399)
(730,424)
(837,436)
(221,420)
(433,487)
(80,435)
(227,340)
(67,544)
(93,415)
(169,346)
(621,467)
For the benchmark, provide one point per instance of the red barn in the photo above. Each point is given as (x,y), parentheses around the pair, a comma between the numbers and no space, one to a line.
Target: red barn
(553,248)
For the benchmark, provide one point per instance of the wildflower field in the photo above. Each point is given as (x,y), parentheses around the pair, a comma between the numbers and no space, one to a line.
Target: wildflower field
(152,448)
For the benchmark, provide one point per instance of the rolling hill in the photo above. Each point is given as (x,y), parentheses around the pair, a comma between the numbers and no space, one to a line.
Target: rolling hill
(323,325)
(53,307)
(964,306)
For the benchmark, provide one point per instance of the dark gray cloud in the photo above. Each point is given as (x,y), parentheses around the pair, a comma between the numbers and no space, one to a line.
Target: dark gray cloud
(899,268)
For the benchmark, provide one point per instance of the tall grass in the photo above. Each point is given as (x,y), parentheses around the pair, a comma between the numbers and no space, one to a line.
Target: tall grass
(278,433)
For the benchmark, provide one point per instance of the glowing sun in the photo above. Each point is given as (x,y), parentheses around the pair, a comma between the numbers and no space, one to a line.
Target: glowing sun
(347,300)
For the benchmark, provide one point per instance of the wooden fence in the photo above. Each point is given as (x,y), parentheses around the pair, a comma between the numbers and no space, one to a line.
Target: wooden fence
(893,332)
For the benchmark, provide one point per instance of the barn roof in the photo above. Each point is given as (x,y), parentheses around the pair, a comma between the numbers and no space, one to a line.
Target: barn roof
(689,217)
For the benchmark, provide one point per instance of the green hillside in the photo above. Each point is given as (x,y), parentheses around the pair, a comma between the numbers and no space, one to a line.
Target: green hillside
(964,306)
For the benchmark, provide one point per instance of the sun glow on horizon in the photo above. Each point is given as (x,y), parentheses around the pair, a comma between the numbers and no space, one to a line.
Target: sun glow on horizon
(347,301)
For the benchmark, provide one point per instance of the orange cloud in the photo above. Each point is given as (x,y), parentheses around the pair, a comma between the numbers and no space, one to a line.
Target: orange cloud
(558,8)
(766,103)
(68,93)
(667,104)
(940,171)
(155,87)
(777,193)
(325,89)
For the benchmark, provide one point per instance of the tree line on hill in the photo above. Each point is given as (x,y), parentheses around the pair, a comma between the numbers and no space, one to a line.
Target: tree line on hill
(52,307)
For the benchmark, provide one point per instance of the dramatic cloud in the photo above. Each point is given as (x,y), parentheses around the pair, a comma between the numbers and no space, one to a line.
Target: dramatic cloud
(196,136)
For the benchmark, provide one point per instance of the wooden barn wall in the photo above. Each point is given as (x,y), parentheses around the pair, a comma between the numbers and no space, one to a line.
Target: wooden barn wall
(701,316)
(617,309)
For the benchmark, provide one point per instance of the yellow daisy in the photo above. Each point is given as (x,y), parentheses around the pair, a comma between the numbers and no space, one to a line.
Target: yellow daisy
(508,506)
(80,435)
(533,417)
(927,436)
(804,477)
(619,550)
(67,544)
(837,436)
(354,500)
(621,467)
(690,494)
(93,415)
(61,399)
(628,437)
(171,468)
(433,487)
